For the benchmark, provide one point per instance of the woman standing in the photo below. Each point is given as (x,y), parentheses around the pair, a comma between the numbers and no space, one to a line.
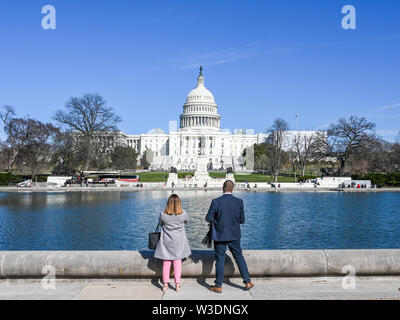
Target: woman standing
(173,245)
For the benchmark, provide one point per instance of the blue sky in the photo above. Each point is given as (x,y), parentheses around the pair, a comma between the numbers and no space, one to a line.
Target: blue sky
(262,60)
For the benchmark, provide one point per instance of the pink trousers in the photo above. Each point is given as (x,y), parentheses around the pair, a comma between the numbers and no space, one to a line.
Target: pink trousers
(177,270)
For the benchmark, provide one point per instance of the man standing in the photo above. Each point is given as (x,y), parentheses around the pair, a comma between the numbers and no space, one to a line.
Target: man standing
(226,213)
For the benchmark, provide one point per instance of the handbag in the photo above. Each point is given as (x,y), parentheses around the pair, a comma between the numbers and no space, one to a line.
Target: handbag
(207,239)
(154,237)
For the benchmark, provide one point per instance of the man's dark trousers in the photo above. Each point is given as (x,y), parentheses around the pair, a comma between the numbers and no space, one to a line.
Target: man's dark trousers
(220,254)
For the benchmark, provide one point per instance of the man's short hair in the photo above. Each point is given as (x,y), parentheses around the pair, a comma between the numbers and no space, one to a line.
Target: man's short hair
(228,186)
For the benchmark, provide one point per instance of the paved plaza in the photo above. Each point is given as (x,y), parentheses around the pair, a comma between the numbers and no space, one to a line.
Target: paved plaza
(197,289)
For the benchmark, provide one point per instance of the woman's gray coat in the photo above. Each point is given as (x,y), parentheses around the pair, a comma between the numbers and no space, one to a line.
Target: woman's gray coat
(173,243)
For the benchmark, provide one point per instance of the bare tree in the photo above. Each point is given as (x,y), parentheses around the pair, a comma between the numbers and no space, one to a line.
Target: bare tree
(88,116)
(19,133)
(4,156)
(303,146)
(102,148)
(277,136)
(67,151)
(37,152)
(341,140)
(294,161)
(378,156)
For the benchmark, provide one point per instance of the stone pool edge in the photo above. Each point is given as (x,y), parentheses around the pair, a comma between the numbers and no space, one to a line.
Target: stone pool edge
(142,264)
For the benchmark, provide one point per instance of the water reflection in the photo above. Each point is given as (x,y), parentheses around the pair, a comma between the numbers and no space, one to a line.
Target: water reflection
(122,220)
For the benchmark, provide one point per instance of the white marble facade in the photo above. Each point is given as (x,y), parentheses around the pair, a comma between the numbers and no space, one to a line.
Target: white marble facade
(199,132)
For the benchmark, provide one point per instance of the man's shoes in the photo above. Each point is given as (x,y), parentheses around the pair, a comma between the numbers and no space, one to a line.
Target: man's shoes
(216,289)
(249,285)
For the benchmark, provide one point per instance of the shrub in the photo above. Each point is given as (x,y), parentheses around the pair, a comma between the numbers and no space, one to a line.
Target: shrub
(7,178)
(303,178)
(382,179)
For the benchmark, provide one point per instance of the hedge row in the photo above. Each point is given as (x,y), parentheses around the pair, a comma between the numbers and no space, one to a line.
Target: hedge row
(380,179)
(8,178)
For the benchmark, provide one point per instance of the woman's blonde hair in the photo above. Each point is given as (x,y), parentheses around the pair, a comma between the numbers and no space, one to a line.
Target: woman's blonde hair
(174,205)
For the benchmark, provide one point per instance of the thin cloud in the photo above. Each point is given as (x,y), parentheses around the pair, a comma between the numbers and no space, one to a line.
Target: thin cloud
(229,55)
(388,132)
(390,107)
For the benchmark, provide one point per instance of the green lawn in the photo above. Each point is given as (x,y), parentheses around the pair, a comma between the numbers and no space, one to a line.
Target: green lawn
(163,176)
(259,178)
(153,176)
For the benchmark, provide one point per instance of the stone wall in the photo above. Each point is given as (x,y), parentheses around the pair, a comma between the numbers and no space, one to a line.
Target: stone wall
(142,264)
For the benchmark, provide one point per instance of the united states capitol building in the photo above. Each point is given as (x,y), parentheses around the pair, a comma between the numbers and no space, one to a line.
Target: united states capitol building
(199,133)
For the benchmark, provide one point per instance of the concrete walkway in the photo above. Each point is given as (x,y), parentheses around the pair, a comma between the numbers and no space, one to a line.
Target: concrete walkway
(197,289)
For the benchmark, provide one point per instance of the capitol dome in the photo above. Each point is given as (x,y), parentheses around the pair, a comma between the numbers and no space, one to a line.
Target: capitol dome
(156,131)
(200,109)
(200,93)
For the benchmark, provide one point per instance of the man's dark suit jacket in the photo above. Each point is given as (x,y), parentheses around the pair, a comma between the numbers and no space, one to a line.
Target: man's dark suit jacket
(226,213)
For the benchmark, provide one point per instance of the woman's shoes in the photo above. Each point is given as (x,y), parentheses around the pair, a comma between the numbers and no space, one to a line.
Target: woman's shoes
(177,287)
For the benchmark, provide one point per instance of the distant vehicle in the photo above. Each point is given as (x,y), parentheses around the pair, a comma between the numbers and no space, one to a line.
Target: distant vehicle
(27,183)
(122,178)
